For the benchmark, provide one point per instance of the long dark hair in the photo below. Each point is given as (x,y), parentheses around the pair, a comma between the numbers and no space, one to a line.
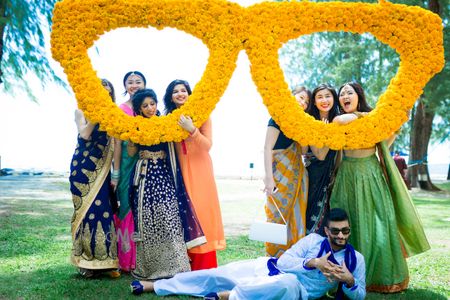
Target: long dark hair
(314,111)
(112,94)
(139,97)
(133,73)
(363,106)
(168,103)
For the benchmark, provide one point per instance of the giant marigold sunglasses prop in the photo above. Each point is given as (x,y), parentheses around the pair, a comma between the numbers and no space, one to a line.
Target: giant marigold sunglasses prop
(226,28)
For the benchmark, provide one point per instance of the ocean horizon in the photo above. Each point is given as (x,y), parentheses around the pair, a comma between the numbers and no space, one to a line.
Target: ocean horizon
(437,172)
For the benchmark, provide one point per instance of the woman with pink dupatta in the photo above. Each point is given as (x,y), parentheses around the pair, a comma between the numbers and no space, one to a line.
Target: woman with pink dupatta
(123,166)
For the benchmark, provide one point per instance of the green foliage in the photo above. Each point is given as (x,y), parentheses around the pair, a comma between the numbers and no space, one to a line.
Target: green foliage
(26,23)
(339,57)
(437,91)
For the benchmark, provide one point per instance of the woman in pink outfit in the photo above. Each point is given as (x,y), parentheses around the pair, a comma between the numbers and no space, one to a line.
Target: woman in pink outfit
(123,166)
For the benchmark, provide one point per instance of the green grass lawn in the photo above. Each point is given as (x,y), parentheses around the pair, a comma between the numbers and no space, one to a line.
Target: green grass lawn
(35,244)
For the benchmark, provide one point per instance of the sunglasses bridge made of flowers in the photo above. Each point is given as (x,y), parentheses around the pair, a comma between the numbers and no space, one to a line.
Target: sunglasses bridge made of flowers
(227,28)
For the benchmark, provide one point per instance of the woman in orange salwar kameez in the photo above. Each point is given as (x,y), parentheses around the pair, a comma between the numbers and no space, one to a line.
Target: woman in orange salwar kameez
(196,167)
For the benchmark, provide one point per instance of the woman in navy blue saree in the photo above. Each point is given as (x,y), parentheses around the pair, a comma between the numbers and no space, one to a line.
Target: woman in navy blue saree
(93,233)
(320,162)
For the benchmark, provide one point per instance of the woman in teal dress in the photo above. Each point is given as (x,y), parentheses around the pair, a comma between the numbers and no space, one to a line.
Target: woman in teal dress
(123,166)
(385,225)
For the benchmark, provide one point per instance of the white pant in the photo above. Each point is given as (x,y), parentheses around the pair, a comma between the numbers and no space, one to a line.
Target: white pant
(245,279)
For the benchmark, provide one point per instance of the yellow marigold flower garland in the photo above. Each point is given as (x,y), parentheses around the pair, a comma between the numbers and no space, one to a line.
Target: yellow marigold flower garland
(226,28)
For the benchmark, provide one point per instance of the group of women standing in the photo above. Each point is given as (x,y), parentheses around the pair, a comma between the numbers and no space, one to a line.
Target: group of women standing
(167,220)
(385,226)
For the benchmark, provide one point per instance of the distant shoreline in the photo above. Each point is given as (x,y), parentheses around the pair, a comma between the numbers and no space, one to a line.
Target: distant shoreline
(16,174)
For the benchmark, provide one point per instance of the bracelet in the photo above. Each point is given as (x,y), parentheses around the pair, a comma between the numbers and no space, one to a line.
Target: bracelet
(115,174)
(192,133)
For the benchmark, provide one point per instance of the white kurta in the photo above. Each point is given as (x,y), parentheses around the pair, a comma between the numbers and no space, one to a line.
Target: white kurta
(249,279)
(245,279)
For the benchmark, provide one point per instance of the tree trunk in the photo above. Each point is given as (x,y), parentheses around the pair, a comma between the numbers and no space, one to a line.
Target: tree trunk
(434,6)
(2,33)
(420,136)
(422,124)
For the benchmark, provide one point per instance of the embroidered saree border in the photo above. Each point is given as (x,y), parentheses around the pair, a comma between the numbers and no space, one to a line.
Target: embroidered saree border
(93,191)
(394,288)
(196,242)
(139,181)
(94,264)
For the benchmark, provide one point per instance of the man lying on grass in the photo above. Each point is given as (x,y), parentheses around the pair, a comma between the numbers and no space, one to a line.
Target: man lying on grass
(308,270)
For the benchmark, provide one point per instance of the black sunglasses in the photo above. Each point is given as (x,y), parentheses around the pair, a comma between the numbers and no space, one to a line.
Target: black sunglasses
(335,231)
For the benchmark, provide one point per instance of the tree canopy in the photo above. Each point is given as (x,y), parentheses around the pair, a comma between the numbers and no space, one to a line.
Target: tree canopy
(22,47)
(339,57)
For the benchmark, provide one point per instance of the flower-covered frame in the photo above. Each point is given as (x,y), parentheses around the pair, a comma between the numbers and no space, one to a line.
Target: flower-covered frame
(261,29)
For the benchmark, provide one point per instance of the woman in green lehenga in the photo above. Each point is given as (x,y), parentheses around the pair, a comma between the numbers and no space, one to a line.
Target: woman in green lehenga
(385,225)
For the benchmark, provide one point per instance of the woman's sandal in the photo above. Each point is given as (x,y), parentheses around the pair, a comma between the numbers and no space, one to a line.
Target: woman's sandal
(114,273)
(211,296)
(86,273)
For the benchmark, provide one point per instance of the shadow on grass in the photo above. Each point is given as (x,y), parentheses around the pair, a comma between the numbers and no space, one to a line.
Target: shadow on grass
(33,232)
(444,186)
(240,248)
(445,203)
(63,282)
(410,294)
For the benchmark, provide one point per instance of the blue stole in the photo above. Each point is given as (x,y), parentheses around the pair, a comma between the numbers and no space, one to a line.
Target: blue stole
(349,258)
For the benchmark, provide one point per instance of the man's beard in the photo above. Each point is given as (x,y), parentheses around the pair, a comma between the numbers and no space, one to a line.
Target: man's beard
(334,242)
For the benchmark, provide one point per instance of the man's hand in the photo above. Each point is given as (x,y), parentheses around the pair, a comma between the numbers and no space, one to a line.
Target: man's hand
(343,275)
(325,266)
